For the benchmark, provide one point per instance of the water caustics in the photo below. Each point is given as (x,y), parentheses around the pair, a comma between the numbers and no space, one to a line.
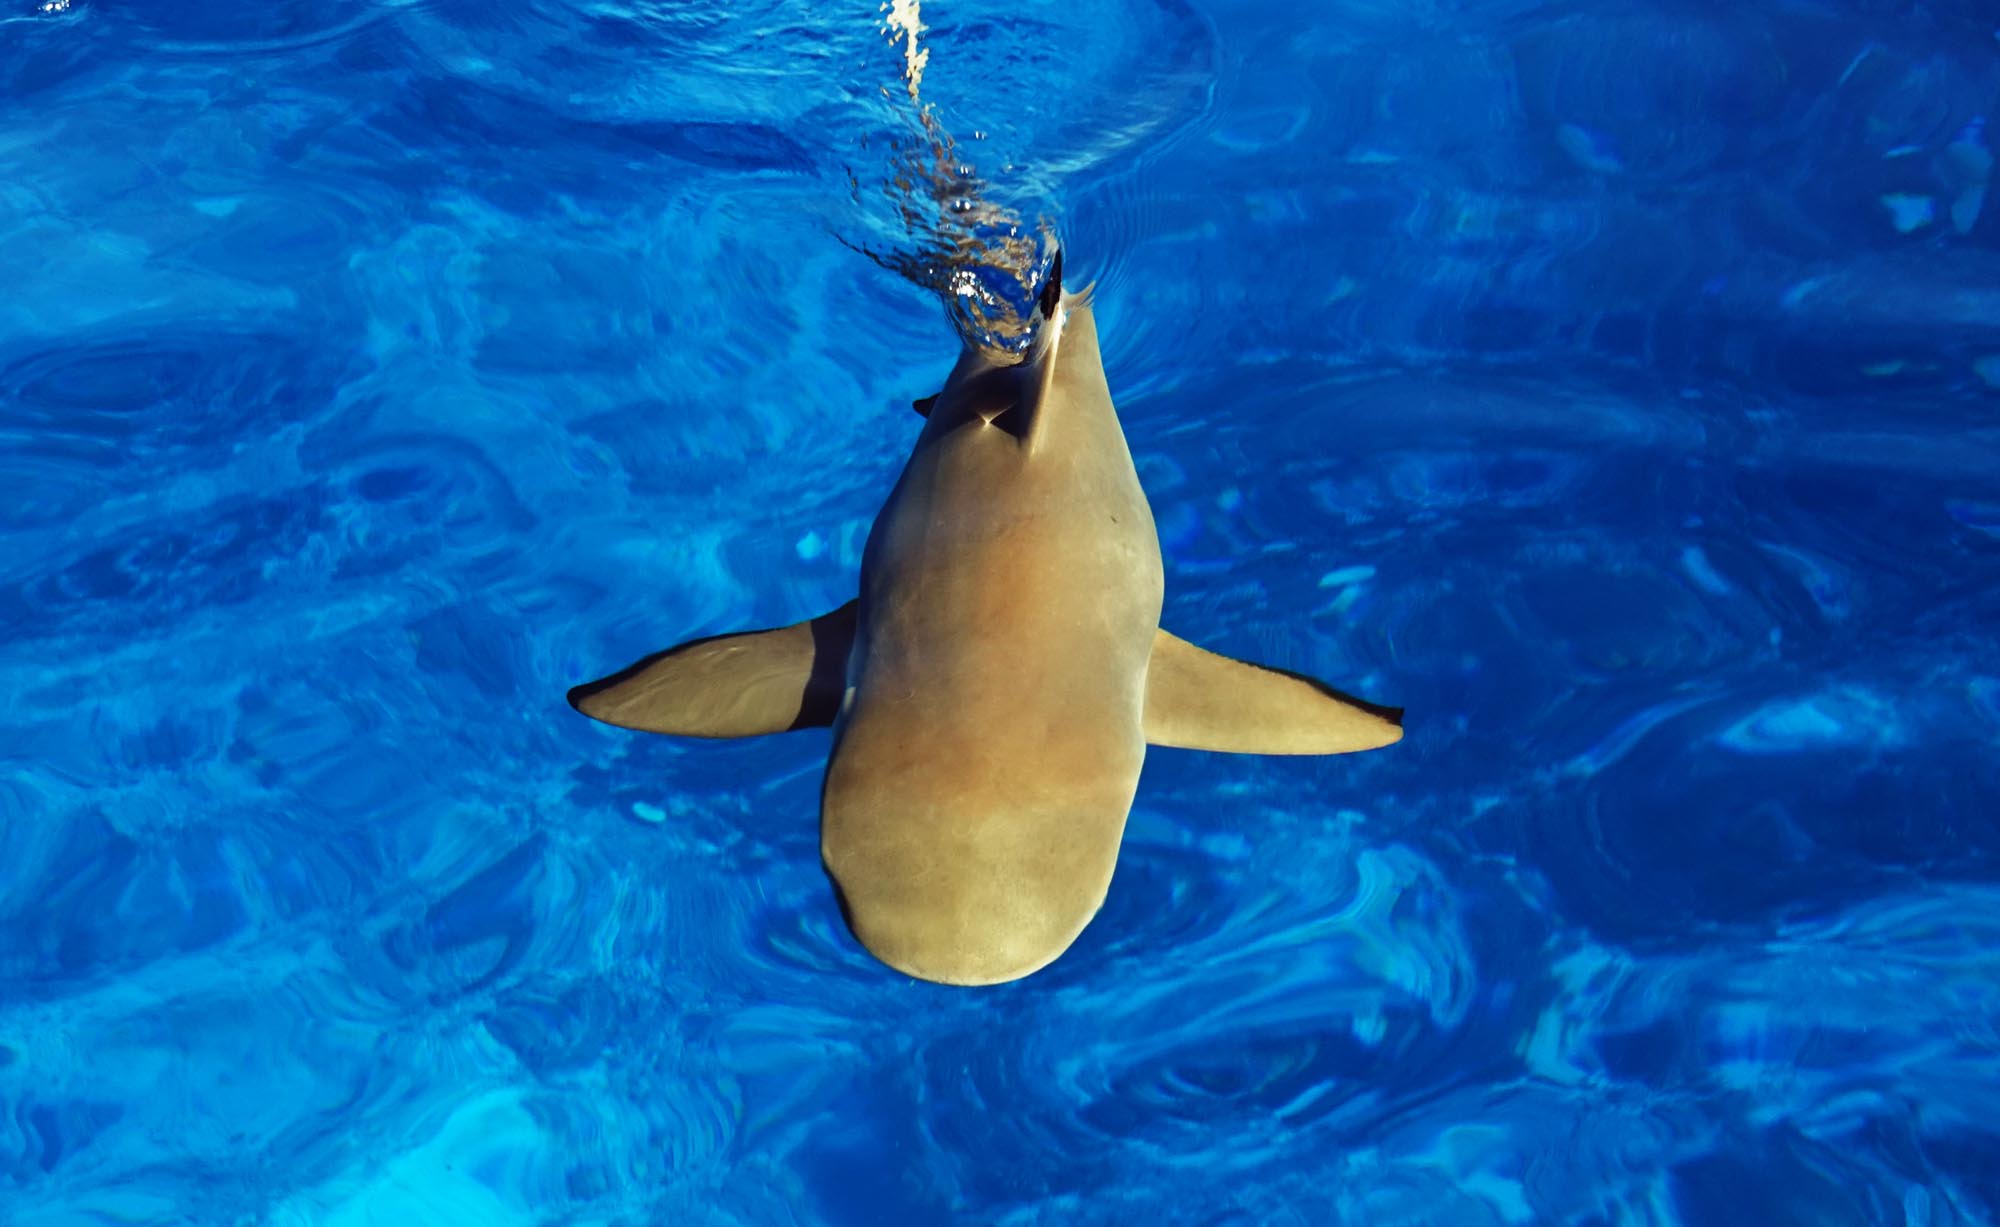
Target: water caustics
(1613,382)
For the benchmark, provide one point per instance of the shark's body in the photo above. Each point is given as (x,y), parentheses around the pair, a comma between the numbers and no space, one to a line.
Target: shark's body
(994,688)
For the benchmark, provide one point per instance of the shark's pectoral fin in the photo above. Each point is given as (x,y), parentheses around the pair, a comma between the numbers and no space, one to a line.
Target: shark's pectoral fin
(741,685)
(1198,700)
(923,407)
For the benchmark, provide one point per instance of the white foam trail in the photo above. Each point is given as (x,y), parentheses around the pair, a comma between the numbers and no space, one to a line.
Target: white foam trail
(906,21)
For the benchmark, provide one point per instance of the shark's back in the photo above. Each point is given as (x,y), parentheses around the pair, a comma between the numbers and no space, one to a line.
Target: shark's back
(995,686)
(990,749)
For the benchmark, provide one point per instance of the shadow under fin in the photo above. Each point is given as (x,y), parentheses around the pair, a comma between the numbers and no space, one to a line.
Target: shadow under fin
(1198,700)
(740,685)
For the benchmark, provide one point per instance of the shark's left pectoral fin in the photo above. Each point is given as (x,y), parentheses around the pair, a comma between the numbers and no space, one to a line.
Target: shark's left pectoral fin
(1198,700)
(742,685)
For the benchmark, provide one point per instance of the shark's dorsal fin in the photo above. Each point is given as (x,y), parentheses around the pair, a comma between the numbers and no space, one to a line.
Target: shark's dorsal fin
(741,685)
(1198,700)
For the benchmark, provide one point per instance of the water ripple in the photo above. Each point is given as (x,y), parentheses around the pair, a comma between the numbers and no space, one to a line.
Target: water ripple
(1611,386)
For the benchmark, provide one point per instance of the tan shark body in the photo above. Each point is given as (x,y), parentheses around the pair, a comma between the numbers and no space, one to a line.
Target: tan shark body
(994,689)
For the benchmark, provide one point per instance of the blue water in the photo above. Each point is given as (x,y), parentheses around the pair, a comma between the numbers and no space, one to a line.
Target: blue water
(1615,384)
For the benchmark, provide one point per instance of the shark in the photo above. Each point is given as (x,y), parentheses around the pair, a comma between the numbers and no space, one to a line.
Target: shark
(994,686)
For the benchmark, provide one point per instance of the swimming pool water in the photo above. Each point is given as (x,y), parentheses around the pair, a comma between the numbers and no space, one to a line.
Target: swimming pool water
(1614,384)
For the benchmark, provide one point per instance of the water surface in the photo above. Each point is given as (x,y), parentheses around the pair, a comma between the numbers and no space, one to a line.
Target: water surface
(1612,384)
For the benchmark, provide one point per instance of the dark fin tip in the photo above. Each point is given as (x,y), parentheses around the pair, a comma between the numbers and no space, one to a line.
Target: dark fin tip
(1394,715)
(1052,288)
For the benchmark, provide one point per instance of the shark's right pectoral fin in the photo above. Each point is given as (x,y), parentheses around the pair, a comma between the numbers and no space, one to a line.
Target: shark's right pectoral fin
(790,677)
(1198,700)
